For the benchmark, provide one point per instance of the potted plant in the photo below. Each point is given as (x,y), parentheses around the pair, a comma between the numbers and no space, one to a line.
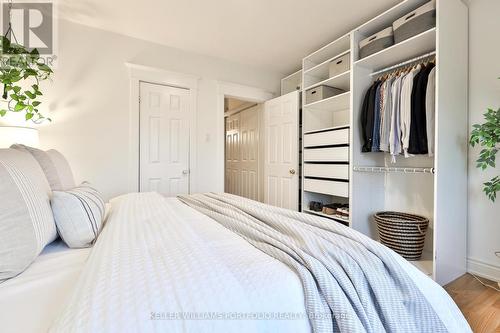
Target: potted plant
(487,135)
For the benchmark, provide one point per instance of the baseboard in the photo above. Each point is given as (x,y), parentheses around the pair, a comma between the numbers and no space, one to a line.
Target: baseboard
(483,269)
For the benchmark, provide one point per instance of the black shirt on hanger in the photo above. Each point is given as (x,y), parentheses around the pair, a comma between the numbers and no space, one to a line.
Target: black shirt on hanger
(418,129)
(367,117)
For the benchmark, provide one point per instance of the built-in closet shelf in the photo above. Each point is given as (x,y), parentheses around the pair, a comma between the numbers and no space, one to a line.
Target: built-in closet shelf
(425,264)
(385,19)
(326,129)
(335,103)
(322,70)
(407,49)
(291,83)
(332,217)
(341,81)
(328,51)
(442,196)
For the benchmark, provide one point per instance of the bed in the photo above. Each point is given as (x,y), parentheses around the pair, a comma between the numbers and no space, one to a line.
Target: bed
(160,265)
(30,301)
(197,263)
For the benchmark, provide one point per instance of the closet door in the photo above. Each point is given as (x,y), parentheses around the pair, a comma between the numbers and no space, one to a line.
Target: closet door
(164,139)
(281,163)
(249,148)
(233,167)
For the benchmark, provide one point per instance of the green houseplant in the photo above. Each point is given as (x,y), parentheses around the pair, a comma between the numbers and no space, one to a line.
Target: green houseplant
(487,135)
(21,72)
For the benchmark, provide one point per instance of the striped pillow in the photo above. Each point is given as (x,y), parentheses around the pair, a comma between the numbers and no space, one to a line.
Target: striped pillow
(79,214)
(26,221)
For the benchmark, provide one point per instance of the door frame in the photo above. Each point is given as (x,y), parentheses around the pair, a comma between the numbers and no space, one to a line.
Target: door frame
(246,93)
(141,73)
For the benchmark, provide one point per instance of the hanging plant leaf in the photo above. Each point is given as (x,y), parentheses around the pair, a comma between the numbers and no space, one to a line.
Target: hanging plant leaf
(20,67)
(19,106)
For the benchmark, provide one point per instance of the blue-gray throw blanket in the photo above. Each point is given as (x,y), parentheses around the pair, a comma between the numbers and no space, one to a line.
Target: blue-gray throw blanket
(351,282)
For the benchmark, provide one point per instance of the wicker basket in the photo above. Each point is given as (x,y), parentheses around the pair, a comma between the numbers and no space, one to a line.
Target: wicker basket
(403,233)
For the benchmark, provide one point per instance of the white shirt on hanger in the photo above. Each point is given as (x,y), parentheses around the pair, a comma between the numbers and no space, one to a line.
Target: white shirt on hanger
(385,115)
(406,90)
(395,128)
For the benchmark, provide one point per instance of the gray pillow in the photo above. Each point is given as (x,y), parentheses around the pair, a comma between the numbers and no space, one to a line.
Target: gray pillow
(79,214)
(54,165)
(26,221)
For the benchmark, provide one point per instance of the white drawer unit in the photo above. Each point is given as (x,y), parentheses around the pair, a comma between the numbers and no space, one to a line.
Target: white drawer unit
(327,138)
(334,171)
(331,187)
(335,154)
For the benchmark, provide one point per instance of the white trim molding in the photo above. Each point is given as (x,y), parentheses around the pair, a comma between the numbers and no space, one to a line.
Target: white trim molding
(242,92)
(140,73)
(483,269)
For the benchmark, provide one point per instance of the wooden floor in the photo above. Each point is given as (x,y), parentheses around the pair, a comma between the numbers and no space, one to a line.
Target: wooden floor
(480,305)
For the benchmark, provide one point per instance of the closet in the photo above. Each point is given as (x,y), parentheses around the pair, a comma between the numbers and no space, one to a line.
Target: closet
(242,153)
(335,168)
(326,129)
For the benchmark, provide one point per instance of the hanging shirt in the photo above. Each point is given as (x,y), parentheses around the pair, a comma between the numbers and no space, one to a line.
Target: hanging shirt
(418,130)
(376,119)
(406,93)
(430,105)
(385,115)
(367,112)
(395,129)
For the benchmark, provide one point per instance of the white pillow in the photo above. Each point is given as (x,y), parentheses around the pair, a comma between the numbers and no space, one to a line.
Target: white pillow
(26,221)
(79,214)
(66,180)
(54,165)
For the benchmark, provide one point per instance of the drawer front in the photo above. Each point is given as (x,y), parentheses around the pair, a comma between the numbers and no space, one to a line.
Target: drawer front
(339,189)
(337,171)
(338,137)
(336,154)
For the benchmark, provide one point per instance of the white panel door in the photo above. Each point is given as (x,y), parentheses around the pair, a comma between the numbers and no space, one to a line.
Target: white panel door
(164,139)
(281,165)
(242,154)
(249,153)
(233,167)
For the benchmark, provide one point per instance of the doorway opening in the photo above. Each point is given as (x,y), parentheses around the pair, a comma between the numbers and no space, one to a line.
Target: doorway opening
(242,153)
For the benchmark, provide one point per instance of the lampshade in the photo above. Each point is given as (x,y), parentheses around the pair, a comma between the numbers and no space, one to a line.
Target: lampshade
(23,135)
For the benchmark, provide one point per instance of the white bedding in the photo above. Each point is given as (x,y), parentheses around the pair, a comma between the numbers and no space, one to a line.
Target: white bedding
(30,301)
(158,259)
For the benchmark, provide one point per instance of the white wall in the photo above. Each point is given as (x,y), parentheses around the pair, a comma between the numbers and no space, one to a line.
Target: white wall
(89,102)
(484,92)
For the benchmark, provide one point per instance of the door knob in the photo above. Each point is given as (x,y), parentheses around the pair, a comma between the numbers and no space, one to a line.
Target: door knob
(185,172)
(292,171)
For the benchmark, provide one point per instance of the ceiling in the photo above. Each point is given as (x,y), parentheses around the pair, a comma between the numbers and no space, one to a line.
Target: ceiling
(231,104)
(269,34)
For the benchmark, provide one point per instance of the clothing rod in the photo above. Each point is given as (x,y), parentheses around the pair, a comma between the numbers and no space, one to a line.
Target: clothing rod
(394,169)
(401,64)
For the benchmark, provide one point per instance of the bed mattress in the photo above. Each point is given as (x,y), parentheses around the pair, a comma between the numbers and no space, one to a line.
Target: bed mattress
(30,301)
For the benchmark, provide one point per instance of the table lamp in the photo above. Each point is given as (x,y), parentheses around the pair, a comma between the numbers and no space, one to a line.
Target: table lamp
(16,134)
